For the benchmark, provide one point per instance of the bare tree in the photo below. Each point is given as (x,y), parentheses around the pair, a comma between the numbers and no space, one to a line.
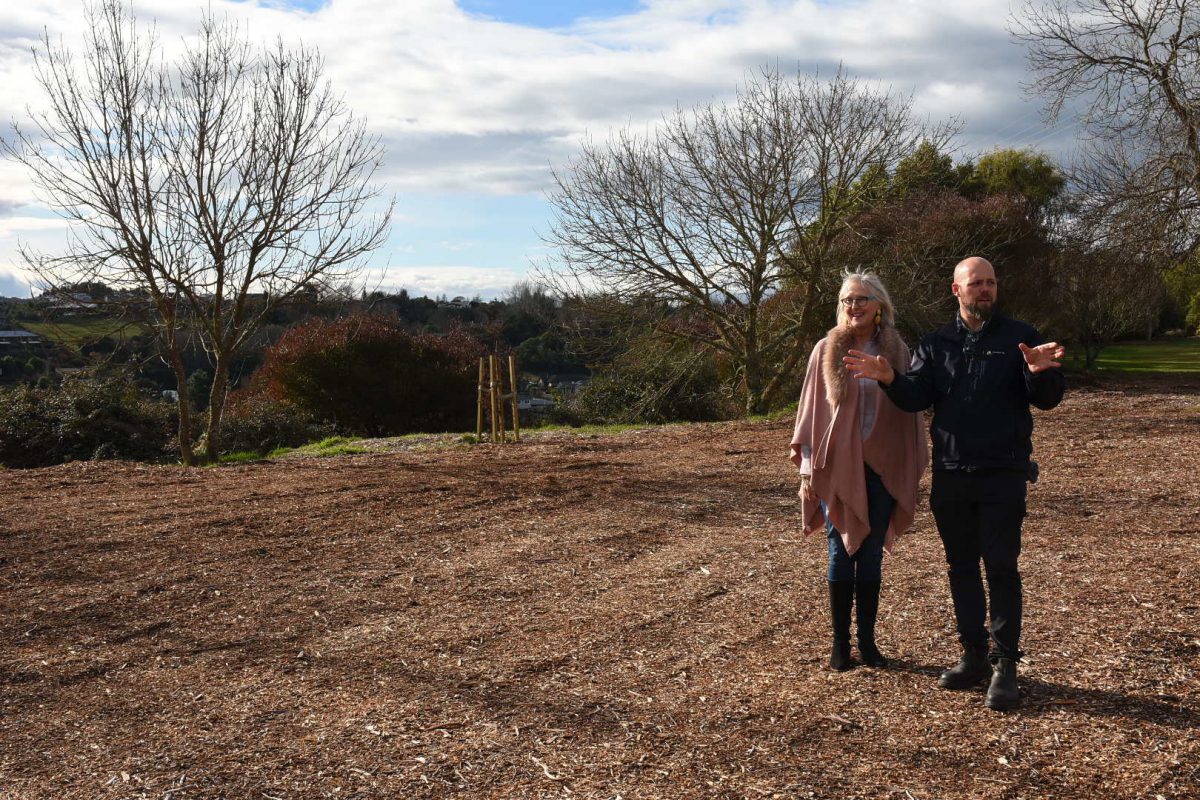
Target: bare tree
(1101,297)
(208,191)
(723,206)
(1133,67)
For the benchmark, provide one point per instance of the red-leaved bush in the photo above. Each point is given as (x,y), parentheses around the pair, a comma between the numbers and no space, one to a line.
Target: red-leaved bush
(368,376)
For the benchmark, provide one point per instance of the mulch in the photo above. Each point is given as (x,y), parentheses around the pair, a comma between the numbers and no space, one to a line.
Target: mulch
(631,616)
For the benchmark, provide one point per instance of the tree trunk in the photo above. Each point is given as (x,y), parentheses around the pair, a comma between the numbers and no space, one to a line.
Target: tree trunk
(755,403)
(755,398)
(216,409)
(184,404)
(798,352)
(780,376)
(754,367)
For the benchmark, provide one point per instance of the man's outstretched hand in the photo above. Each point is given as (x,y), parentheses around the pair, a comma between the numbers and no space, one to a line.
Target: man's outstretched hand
(869,366)
(1043,357)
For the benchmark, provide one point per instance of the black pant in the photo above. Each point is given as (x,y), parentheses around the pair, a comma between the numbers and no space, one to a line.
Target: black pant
(979,516)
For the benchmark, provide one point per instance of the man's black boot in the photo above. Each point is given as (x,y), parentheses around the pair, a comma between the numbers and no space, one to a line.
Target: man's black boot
(1003,693)
(972,670)
(866,595)
(841,600)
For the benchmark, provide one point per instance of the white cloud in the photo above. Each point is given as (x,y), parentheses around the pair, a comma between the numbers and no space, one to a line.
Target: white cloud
(465,102)
(450,280)
(470,104)
(13,282)
(18,226)
(460,98)
(483,103)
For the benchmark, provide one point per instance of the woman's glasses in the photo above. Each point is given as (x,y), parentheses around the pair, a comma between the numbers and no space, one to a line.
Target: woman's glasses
(858,300)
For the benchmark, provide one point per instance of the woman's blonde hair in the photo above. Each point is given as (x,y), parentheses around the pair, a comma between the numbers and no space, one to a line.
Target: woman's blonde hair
(875,289)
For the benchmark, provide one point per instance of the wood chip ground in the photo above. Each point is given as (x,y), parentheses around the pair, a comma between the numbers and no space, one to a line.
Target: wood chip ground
(631,616)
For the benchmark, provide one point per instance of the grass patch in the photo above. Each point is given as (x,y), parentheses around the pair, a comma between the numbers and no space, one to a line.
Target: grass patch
(242,457)
(1179,356)
(329,446)
(409,437)
(341,445)
(786,412)
(602,430)
(77,332)
(594,430)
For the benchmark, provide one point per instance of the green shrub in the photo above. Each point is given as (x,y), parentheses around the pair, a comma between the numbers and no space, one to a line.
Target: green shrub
(549,353)
(653,383)
(254,422)
(1193,313)
(82,418)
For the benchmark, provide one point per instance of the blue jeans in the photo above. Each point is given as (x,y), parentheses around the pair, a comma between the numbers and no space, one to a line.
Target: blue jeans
(866,565)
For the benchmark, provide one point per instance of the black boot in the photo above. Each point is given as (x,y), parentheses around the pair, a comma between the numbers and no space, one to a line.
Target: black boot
(841,600)
(970,671)
(1003,693)
(866,594)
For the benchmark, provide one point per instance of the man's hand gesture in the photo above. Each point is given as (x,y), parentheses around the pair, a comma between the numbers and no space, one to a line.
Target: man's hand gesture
(868,366)
(1043,357)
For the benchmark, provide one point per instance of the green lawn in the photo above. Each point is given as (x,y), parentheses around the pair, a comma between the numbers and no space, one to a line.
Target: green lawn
(77,332)
(1162,355)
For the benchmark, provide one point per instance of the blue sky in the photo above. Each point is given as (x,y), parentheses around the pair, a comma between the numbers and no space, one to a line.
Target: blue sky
(542,14)
(477,101)
(533,13)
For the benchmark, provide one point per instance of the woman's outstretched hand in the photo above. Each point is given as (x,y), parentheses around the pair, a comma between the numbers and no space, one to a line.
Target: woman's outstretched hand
(869,366)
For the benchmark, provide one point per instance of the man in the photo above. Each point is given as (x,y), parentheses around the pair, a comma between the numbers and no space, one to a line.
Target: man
(980,373)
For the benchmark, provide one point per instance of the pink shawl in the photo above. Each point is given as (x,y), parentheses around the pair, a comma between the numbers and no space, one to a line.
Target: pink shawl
(827,422)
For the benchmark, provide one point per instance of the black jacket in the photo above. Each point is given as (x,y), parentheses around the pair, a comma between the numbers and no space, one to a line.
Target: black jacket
(981,417)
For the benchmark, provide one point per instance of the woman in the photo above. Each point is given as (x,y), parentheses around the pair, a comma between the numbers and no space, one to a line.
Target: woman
(860,459)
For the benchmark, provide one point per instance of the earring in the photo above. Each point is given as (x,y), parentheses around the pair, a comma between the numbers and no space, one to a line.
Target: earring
(878,317)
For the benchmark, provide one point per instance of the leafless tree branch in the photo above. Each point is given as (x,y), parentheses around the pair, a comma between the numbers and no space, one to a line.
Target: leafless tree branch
(724,205)
(209,191)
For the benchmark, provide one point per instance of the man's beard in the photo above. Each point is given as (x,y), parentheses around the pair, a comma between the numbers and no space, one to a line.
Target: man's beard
(982,310)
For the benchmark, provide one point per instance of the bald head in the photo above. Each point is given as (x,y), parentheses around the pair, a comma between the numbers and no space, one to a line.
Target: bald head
(975,287)
(972,264)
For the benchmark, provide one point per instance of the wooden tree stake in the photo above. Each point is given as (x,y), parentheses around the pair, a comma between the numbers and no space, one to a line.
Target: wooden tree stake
(496,398)
(479,405)
(492,391)
(512,382)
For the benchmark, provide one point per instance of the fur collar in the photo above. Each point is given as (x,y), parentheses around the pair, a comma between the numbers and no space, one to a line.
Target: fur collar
(839,343)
